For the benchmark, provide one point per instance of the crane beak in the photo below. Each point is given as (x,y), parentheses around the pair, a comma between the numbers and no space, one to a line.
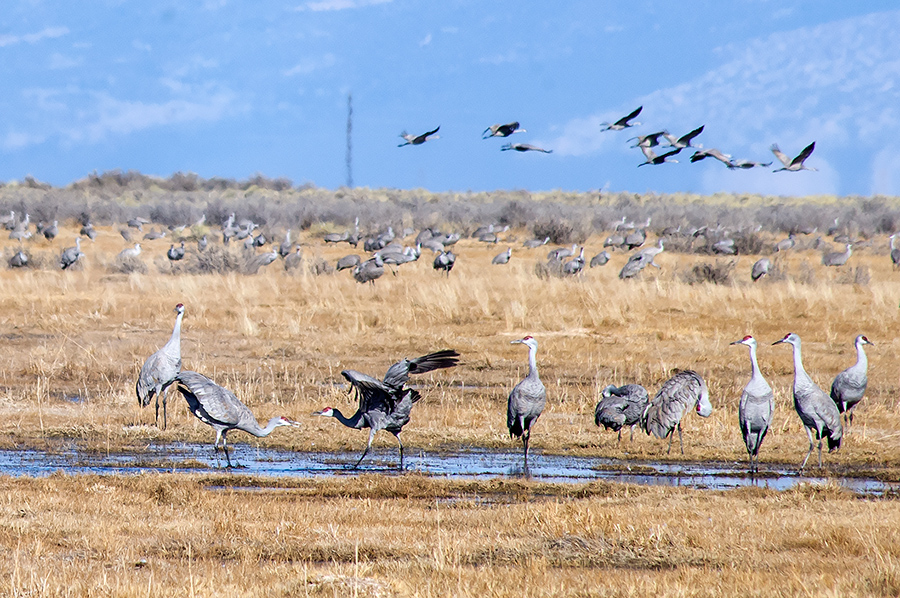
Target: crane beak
(737,343)
(778,342)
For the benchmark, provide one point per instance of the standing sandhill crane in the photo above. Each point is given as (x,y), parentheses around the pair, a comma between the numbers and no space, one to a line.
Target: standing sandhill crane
(712,153)
(202,244)
(575,265)
(527,399)
(837,258)
(502,130)
(756,407)
(130,252)
(294,259)
(524,147)
(444,261)
(502,258)
(219,408)
(636,238)
(347,262)
(849,387)
(817,411)
(160,369)
(535,243)
(560,253)
(369,270)
(622,123)
(651,252)
(386,404)
(795,164)
(51,231)
(895,251)
(684,141)
(87,230)
(785,244)
(175,253)
(652,158)
(285,248)
(760,268)
(601,259)
(621,406)
(70,255)
(683,391)
(418,139)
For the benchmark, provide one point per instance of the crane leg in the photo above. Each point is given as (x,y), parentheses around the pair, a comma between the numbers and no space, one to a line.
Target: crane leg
(809,452)
(671,438)
(620,437)
(680,441)
(526,435)
(820,451)
(368,446)
(632,434)
(164,409)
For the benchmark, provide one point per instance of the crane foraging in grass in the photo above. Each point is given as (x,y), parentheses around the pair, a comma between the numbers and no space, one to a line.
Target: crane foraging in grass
(219,408)
(849,387)
(621,406)
(160,369)
(386,404)
(685,390)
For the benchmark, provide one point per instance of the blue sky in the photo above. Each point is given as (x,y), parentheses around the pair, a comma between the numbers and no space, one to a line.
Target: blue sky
(231,89)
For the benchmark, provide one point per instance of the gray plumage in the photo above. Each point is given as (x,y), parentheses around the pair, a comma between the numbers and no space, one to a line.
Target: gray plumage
(347,262)
(444,261)
(524,147)
(685,390)
(219,408)
(502,130)
(561,253)
(175,253)
(130,252)
(621,406)
(294,259)
(760,268)
(160,369)
(386,404)
(849,387)
(51,231)
(712,153)
(369,270)
(786,244)
(817,411)
(285,248)
(795,164)
(418,139)
(527,399)
(837,258)
(202,243)
(71,255)
(685,140)
(601,259)
(534,243)
(87,230)
(261,261)
(502,258)
(651,157)
(895,252)
(756,406)
(18,260)
(624,122)
(575,265)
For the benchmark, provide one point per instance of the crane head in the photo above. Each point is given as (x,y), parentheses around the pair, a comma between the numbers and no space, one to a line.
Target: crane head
(283,421)
(747,340)
(865,341)
(789,338)
(326,412)
(179,309)
(528,340)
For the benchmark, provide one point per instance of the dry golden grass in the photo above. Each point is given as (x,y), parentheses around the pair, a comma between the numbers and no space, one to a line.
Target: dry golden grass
(280,341)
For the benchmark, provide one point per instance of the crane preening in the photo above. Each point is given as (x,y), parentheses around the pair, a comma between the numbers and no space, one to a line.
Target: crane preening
(683,391)
(386,404)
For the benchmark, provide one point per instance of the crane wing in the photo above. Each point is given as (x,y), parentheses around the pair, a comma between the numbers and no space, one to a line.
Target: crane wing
(398,374)
(211,403)
(624,120)
(804,154)
(372,393)
(686,138)
(782,157)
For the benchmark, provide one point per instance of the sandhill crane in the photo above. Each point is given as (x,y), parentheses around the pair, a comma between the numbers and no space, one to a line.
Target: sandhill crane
(756,407)
(137,223)
(621,406)
(347,262)
(652,158)
(849,387)
(18,260)
(685,140)
(575,265)
(895,251)
(202,243)
(220,409)
(795,164)
(635,264)
(293,260)
(614,240)
(817,411)
(70,255)
(130,252)
(502,130)
(444,261)
(725,246)
(622,123)
(154,235)
(87,230)
(386,404)
(712,153)
(561,253)
(527,399)
(524,147)
(837,258)
(760,268)
(418,139)
(502,258)
(175,253)
(748,164)
(535,243)
(785,244)
(649,140)
(369,270)
(285,248)
(160,369)
(261,261)
(635,238)
(601,259)
(683,391)
(51,231)
(433,245)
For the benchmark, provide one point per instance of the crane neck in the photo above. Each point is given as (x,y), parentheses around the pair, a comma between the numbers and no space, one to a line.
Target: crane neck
(532,361)
(259,431)
(754,364)
(861,359)
(176,331)
(800,373)
(354,422)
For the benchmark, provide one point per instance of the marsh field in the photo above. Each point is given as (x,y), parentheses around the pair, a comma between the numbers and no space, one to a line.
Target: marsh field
(74,341)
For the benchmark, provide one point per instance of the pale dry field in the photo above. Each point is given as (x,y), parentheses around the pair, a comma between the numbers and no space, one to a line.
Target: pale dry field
(74,342)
